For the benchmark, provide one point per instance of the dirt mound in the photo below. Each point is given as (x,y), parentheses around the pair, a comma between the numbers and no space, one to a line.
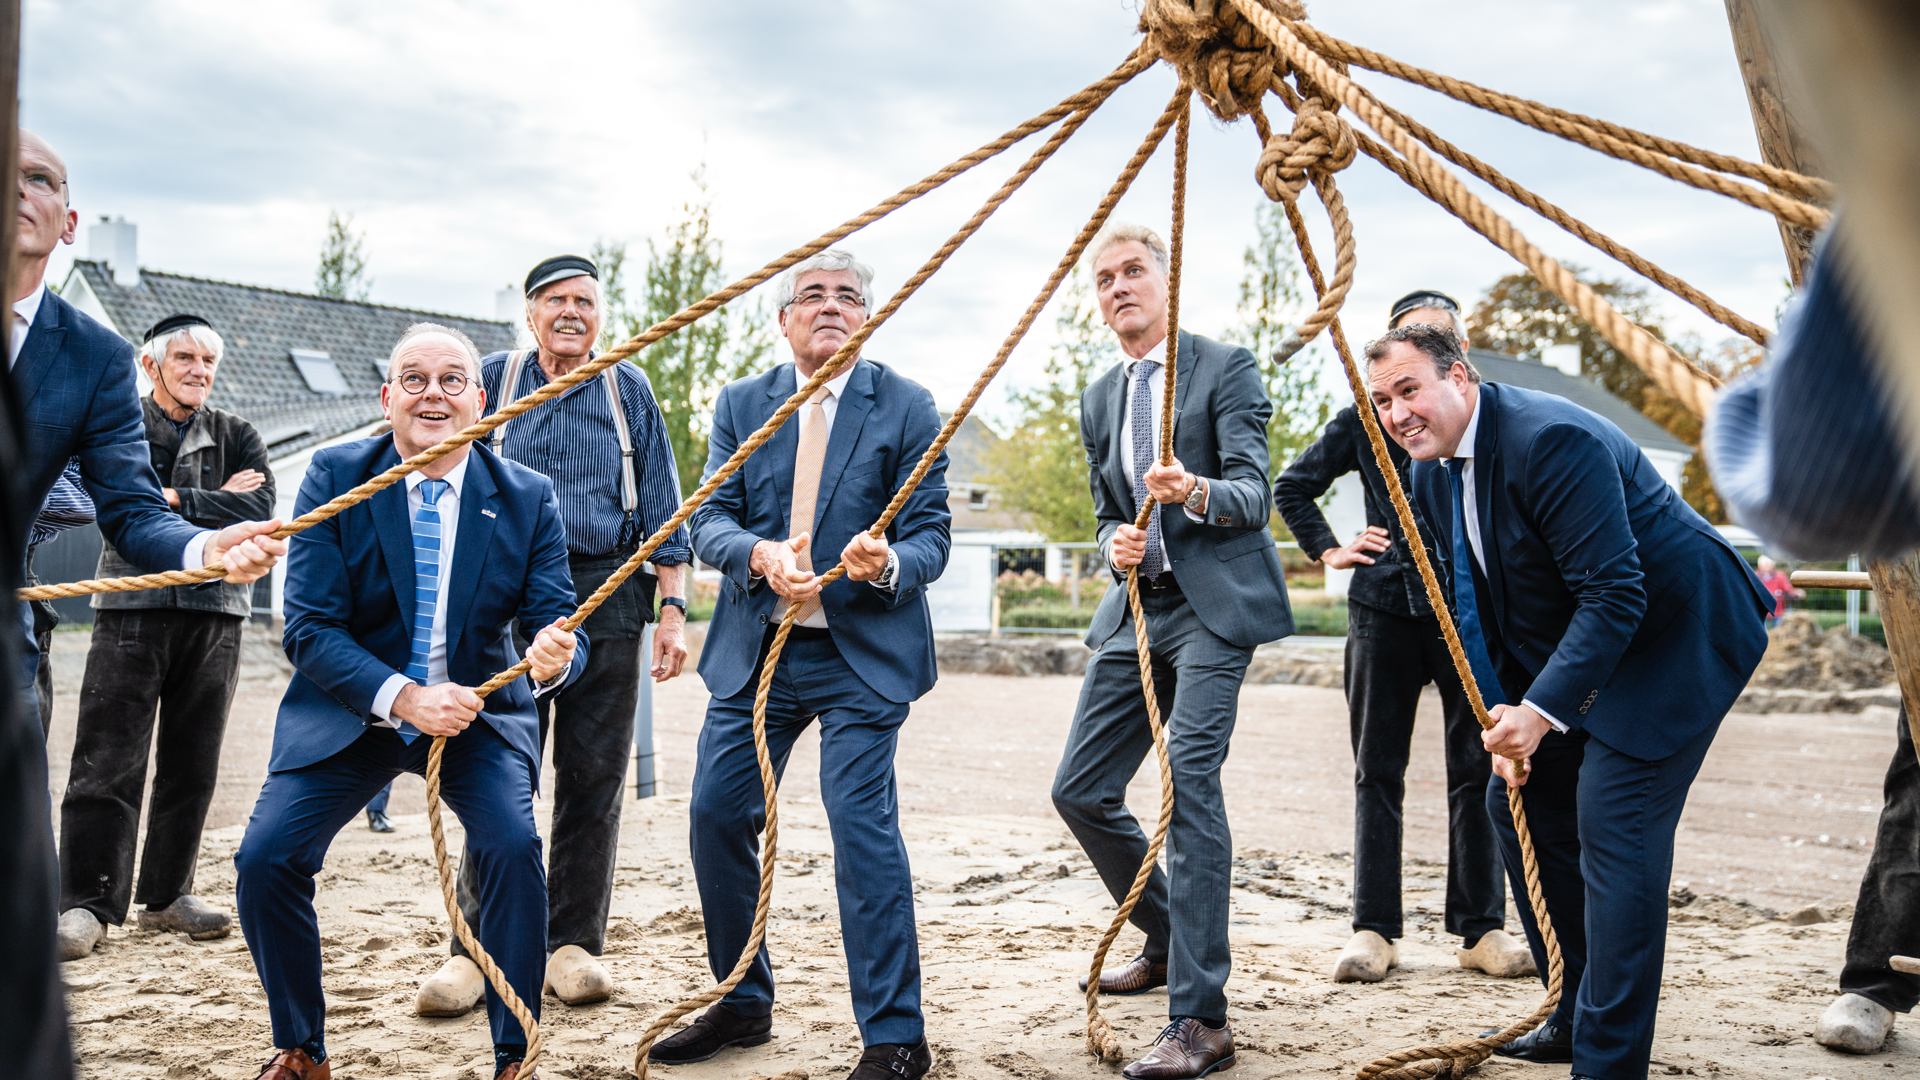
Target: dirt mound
(1800,656)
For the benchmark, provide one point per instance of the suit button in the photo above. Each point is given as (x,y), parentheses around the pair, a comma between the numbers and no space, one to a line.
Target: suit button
(763,620)
(1222,520)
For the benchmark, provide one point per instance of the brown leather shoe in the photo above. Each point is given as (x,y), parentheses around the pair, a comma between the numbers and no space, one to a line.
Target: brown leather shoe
(295,1065)
(1186,1050)
(1136,976)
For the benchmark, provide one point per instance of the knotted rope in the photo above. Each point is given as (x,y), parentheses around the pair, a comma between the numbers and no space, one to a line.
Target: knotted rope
(934,450)
(1101,1041)
(1215,51)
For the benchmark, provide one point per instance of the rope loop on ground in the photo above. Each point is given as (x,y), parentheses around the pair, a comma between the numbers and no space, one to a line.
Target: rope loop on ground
(1215,51)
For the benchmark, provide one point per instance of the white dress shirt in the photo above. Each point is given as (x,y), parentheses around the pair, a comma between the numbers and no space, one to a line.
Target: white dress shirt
(1157,386)
(449,507)
(1471,513)
(194,555)
(830,406)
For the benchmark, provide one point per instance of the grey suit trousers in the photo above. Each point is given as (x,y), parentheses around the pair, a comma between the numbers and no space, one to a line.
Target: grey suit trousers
(1183,910)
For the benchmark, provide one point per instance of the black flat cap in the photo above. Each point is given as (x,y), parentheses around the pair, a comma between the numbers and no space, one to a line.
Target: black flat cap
(560,268)
(1420,298)
(174,322)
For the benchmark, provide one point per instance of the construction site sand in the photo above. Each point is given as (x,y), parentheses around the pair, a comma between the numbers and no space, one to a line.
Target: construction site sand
(1009,909)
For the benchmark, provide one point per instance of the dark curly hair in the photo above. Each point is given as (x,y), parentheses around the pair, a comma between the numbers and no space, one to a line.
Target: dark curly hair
(1437,342)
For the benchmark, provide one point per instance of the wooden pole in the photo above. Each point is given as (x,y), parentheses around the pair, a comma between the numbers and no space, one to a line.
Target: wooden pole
(1781,118)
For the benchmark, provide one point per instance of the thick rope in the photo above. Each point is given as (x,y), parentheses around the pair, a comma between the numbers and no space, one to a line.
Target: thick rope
(1662,365)
(1518,193)
(1102,1043)
(1085,99)
(1609,138)
(1455,1058)
(771,662)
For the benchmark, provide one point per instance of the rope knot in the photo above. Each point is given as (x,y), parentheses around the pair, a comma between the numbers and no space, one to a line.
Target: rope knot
(1216,50)
(1319,143)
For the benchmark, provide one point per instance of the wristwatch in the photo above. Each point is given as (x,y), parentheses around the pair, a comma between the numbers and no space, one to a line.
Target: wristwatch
(674,601)
(1197,498)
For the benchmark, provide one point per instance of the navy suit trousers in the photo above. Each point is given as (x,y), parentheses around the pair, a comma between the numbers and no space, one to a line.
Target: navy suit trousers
(858,732)
(487,784)
(1603,825)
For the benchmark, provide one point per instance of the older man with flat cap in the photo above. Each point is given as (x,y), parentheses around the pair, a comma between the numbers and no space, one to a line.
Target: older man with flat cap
(604,445)
(177,648)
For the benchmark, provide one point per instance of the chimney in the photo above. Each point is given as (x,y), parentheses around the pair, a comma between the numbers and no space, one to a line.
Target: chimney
(509,305)
(116,242)
(1564,357)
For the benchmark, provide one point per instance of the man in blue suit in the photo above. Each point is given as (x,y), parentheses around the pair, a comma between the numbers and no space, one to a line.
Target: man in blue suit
(75,380)
(395,608)
(860,653)
(1609,628)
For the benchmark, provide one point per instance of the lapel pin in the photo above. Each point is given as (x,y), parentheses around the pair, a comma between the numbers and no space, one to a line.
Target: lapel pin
(490,513)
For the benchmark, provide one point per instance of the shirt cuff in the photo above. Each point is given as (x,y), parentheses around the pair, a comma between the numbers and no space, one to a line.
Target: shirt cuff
(195,555)
(1535,706)
(891,574)
(1200,515)
(383,701)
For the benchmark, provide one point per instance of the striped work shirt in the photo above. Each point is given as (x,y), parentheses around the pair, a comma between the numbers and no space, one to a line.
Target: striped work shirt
(571,441)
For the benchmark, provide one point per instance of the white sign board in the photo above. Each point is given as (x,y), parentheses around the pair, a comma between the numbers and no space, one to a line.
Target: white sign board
(961,600)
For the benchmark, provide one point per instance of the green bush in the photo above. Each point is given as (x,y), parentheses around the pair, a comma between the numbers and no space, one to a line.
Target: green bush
(1320,621)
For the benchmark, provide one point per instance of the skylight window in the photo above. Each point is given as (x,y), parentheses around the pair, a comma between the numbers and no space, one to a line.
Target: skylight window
(319,371)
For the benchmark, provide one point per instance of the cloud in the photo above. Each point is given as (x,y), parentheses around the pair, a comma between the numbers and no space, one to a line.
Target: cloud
(472,139)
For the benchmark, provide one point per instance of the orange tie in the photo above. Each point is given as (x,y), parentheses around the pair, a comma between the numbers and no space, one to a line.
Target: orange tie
(807,463)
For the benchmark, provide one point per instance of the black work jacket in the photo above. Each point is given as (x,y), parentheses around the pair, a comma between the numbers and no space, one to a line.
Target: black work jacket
(216,445)
(1392,584)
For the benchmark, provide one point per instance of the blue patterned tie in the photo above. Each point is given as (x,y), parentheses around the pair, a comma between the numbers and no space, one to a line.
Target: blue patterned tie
(1144,458)
(426,585)
(1465,605)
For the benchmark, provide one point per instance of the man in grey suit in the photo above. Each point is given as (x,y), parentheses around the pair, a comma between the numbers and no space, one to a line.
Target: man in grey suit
(1211,589)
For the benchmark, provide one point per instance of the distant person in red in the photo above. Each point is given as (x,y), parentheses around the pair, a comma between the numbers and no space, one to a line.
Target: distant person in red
(1781,586)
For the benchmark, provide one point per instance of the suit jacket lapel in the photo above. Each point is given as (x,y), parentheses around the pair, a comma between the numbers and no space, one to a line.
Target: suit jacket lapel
(470,545)
(849,416)
(1486,444)
(1117,440)
(41,351)
(394,526)
(1182,380)
(778,453)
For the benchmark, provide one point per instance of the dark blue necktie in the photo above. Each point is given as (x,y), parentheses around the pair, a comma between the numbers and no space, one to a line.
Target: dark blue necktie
(1145,457)
(1466,606)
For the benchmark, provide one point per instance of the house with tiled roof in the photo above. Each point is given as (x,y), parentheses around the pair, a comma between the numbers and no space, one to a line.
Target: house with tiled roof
(304,369)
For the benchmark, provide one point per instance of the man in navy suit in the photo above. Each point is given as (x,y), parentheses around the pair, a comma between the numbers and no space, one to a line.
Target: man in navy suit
(75,379)
(395,608)
(1609,628)
(860,653)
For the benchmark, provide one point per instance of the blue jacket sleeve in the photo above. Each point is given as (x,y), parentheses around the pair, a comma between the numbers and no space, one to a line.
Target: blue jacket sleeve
(719,537)
(318,636)
(117,468)
(1578,506)
(549,592)
(1241,411)
(921,534)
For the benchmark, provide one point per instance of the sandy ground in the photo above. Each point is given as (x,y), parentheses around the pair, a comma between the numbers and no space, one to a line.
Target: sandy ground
(1782,816)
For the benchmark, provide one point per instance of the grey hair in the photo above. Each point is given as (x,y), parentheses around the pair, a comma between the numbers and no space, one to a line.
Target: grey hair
(423,329)
(204,336)
(830,260)
(1459,322)
(1433,339)
(1121,232)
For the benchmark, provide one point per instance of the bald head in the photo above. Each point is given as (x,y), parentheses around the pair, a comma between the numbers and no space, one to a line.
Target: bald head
(46,221)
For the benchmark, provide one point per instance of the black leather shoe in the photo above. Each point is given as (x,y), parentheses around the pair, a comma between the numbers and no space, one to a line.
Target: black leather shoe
(378,821)
(1548,1044)
(717,1029)
(893,1061)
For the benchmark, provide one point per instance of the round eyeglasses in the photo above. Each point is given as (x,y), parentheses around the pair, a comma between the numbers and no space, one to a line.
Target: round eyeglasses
(452,384)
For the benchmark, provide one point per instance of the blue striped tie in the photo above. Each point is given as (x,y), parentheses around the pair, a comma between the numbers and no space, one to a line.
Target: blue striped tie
(1466,606)
(426,585)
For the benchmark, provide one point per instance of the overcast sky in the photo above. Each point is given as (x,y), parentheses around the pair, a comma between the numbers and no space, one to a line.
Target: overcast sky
(469,140)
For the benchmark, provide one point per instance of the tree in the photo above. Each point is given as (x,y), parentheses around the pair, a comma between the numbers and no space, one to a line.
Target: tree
(1520,316)
(1270,296)
(343,261)
(689,367)
(1040,468)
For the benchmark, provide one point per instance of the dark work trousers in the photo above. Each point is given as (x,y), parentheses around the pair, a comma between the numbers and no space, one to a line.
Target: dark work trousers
(1886,920)
(1603,825)
(187,662)
(1197,675)
(1389,658)
(858,732)
(592,724)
